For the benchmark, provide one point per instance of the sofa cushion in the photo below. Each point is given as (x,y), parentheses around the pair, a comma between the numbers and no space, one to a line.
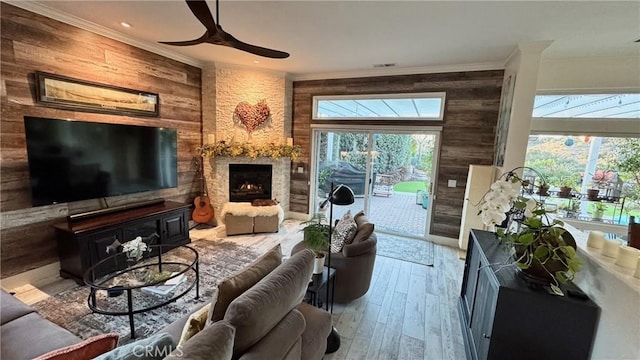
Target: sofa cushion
(259,309)
(214,342)
(343,233)
(233,286)
(279,340)
(31,335)
(155,347)
(87,349)
(12,308)
(195,323)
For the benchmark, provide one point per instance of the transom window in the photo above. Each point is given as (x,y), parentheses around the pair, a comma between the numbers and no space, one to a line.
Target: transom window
(599,106)
(415,106)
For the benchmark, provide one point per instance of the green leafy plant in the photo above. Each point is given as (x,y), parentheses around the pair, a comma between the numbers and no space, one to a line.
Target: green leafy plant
(546,251)
(323,175)
(599,206)
(316,234)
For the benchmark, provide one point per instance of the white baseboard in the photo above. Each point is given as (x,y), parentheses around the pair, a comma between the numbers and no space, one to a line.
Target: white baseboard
(297,216)
(40,276)
(442,240)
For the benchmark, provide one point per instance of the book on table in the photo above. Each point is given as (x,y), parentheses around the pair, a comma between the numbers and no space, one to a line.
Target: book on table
(167,287)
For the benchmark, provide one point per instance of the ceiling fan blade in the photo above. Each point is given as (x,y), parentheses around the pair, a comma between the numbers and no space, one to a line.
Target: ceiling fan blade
(257,50)
(215,35)
(200,9)
(200,40)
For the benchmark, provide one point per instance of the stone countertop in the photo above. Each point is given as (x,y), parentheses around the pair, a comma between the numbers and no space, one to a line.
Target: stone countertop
(617,292)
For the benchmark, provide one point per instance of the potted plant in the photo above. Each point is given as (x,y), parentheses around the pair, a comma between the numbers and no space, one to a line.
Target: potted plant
(316,237)
(568,183)
(598,211)
(544,251)
(543,187)
(599,180)
(574,209)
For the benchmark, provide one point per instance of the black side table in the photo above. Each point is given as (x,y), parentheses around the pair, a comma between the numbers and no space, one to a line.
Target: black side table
(317,287)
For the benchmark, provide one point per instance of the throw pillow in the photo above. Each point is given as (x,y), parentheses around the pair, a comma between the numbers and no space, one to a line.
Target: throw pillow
(232,287)
(155,347)
(195,323)
(88,349)
(364,228)
(343,233)
(214,342)
(264,202)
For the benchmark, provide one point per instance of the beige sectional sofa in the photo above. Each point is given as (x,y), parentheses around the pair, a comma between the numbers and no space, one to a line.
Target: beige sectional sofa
(265,317)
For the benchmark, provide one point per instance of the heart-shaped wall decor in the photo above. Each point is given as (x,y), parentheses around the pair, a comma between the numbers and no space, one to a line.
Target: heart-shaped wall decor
(252,116)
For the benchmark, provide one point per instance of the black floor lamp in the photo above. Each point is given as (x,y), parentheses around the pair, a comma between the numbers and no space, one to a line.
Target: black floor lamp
(340,195)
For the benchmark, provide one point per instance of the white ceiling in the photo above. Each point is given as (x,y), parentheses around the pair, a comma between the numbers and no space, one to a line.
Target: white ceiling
(348,36)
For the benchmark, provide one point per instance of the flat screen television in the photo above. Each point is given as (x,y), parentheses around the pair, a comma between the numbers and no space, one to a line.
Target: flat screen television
(76,160)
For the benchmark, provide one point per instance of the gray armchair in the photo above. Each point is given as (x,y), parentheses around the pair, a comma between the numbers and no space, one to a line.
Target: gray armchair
(354,264)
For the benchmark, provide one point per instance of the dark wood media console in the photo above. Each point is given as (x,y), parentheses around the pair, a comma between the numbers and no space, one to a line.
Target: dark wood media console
(84,242)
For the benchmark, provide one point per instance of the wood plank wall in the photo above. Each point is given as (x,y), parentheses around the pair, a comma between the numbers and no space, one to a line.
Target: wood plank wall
(470,117)
(33,42)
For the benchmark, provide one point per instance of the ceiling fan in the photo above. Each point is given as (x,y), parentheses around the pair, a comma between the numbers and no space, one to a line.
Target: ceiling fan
(215,35)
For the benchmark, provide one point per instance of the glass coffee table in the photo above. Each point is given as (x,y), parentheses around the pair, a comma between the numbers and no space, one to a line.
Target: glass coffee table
(165,274)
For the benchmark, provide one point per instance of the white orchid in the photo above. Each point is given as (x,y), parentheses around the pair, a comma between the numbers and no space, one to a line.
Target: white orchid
(531,206)
(503,198)
(135,248)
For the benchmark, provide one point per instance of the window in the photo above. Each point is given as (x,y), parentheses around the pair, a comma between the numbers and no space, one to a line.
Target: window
(416,106)
(599,106)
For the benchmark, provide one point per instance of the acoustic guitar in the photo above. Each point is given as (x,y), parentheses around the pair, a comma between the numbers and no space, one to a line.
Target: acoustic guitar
(203,212)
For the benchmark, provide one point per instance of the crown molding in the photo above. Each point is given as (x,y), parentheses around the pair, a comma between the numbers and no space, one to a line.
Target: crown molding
(604,58)
(41,9)
(398,71)
(229,66)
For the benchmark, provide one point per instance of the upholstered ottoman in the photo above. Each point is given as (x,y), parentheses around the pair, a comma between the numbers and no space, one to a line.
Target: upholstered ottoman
(238,224)
(243,218)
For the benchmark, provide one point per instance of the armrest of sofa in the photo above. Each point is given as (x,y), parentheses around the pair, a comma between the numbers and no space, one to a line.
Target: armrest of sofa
(360,248)
(12,308)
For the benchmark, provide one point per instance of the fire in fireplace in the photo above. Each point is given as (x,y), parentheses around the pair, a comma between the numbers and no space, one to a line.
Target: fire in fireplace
(248,182)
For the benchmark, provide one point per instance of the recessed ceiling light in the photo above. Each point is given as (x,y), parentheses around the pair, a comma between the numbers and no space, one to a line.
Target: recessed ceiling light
(125,24)
(256,62)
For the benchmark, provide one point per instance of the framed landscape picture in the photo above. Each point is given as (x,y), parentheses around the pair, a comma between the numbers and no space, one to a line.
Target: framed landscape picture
(502,130)
(72,94)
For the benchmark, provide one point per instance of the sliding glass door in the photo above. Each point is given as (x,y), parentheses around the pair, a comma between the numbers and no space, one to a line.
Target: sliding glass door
(390,174)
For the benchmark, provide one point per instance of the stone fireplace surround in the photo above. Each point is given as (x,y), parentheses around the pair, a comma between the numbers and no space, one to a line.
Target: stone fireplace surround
(219,183)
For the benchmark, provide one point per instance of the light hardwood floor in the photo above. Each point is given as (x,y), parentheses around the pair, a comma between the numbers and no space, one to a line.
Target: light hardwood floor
(410,311)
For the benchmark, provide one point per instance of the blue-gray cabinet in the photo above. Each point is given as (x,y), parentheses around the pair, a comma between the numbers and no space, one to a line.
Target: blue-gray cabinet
(503,317)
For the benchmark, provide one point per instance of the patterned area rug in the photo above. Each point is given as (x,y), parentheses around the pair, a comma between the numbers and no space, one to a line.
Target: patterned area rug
(413,250)
(69,309)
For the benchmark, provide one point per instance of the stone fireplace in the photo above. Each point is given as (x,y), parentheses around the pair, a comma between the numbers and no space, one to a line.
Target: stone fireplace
(248,182)
(219,183)
(223,88)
